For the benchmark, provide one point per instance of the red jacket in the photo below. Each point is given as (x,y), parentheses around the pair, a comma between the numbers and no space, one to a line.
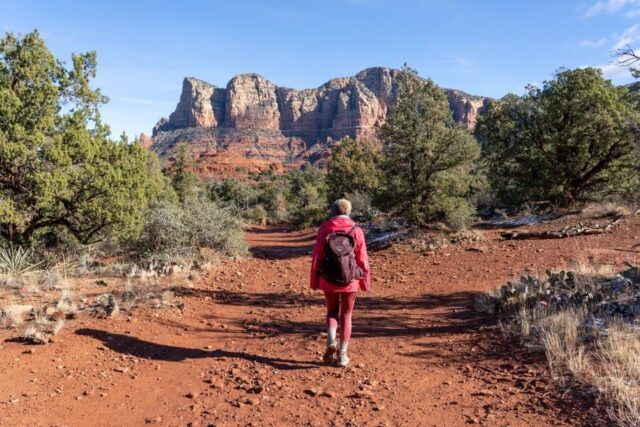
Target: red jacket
(340,223)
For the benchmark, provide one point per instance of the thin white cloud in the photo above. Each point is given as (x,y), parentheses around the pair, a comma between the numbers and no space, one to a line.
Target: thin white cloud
(609,6)
(594,43)
(616,70)
(628,37)
(632,13)
(613,71)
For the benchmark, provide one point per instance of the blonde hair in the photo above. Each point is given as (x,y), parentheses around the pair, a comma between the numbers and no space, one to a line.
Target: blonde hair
(341,207)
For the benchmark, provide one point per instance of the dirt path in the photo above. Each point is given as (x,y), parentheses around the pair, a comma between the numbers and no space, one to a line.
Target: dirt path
(246,349)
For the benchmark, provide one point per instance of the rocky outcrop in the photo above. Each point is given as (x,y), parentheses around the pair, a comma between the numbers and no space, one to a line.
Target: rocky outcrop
(252,103)
(252,115)
(146,141)
(465,108)
(201,105)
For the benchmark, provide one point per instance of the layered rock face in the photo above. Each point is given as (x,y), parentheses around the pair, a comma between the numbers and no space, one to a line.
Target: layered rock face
(254,119)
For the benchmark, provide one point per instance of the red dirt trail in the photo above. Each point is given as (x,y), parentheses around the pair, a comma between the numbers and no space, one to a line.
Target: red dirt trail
(246,350)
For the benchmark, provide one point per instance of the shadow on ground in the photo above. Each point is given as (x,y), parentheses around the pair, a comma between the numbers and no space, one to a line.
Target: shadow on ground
(126,344)
(427,315)
(279,252)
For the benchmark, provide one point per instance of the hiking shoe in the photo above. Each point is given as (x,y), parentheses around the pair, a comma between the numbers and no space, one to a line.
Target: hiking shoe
(330,353)
(342,360)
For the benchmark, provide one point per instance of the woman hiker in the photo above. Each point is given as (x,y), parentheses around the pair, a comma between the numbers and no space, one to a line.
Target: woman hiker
(340,268)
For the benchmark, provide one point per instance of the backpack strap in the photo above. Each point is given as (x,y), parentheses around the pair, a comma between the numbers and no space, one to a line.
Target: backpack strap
(352,229)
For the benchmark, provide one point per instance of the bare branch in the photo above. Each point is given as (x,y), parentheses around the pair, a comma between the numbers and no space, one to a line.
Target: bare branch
(628,58)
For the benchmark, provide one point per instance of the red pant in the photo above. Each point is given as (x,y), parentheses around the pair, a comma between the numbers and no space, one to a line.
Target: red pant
(339,311)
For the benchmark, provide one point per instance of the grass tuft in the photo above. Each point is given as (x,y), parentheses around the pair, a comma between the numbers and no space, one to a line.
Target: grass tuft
(587,324)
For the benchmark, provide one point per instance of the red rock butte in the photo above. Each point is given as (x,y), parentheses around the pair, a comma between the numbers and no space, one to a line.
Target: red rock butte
(252,124)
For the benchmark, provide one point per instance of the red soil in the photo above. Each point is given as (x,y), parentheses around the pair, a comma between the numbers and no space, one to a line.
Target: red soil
(247,348)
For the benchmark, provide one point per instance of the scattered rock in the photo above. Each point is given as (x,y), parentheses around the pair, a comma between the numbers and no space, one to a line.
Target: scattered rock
(363,394)
(257,389)
(106,305)
(15,314)
(312,392)
(483,392)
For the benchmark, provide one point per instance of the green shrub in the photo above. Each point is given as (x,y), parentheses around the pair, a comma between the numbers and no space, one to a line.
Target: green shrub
(306,195)
(231,192)
(354,167)
(215,228)
(256,215)
(459,216)
(174,229)
(164,230)
(271,188)
(362,209)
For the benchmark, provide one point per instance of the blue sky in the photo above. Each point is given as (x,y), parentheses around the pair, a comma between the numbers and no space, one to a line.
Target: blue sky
(488,47)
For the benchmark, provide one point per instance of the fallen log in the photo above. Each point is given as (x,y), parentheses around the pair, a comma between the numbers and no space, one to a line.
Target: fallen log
(571,231)
(385,240)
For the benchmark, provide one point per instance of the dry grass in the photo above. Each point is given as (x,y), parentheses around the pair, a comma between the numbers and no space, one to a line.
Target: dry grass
(584,348)
(610,363)
(606,210)
(618,373)
(560,338)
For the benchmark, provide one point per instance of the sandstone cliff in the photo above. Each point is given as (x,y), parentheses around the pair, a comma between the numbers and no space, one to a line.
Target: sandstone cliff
(252,123)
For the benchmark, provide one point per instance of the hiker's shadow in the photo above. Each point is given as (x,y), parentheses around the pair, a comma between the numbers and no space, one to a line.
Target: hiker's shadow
(126,344)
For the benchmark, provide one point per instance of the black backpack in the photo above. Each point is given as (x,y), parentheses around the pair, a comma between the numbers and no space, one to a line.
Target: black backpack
(338,263)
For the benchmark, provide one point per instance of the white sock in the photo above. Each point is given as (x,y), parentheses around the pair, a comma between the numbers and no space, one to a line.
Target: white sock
(331,335)
(343,347)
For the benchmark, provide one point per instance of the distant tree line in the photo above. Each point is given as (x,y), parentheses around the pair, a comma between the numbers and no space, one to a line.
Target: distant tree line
(64,179)
(572,141)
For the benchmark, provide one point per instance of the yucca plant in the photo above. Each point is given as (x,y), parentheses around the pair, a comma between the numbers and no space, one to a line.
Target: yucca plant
(16,260)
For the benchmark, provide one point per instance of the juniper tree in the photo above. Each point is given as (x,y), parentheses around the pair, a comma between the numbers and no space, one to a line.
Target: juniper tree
(354,167)
(428,160)
(183,178)
(571,141)
(58,165)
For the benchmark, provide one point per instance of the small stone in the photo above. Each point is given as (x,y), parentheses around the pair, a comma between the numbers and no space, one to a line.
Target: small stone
(121,369)
(257,389)
(483,392)
(364,394)
(252,401)
(312,392)
(328,393)
(191,395)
